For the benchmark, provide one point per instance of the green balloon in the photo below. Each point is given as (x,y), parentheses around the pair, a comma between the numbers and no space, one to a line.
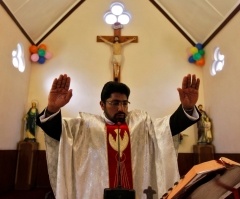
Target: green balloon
(202,52)
(197,56)
(41,52)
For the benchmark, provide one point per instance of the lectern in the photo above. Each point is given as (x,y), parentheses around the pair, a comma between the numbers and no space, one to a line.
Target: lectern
(26,165)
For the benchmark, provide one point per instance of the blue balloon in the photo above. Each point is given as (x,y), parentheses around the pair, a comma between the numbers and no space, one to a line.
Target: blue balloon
(199,46)
(41,60)
(191,60)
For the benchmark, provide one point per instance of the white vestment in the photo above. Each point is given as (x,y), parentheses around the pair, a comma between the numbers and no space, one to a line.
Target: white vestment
(78,163)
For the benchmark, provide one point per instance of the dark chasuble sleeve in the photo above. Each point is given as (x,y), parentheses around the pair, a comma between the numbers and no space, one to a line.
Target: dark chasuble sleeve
(179,121)
(52,127)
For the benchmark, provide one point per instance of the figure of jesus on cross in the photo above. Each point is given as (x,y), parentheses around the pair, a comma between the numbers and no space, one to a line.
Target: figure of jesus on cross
(117,42)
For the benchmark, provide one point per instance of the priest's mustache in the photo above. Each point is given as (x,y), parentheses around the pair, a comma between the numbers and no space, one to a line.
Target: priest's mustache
(120,119)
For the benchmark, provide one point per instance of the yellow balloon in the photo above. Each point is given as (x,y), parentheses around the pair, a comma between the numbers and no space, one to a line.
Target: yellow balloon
(193,50)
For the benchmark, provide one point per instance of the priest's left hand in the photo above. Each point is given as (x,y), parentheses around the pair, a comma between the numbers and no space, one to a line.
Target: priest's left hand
(189,92)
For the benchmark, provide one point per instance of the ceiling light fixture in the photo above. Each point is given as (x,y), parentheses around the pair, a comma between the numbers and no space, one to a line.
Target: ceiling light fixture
(110,18)
(117,8)
(117,14)
(124,18)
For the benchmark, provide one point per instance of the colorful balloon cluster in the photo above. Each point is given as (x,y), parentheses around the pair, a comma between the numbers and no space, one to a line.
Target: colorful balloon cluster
(40,54)
(196,55)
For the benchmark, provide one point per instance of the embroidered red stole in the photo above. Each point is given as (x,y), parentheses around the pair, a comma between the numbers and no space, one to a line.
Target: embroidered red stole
(125,156)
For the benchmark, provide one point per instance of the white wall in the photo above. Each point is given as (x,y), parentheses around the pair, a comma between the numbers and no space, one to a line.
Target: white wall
(13,84)
(221,91)
(153,68)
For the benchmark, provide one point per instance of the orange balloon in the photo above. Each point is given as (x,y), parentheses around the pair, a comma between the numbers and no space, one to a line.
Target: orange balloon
(200,62)
(33,49)
(43,46)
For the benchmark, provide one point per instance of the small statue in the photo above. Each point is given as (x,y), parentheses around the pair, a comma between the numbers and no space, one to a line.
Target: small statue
(208,132)
(31,126)
(201,126)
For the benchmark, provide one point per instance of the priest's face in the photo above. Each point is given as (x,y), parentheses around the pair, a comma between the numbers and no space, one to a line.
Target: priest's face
(115,107)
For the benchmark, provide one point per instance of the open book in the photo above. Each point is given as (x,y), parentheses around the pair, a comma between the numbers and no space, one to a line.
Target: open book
(208,180)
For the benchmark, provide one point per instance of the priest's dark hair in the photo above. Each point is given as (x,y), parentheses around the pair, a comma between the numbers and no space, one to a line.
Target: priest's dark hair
(112,87)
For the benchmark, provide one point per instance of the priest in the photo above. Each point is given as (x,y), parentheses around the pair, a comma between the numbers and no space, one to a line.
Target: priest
(83,152)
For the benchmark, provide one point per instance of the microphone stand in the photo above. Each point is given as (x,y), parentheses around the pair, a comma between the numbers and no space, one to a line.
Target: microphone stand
(119,160)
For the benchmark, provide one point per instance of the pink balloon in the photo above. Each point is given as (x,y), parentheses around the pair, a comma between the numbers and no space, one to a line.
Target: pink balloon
(189,52)
(34,57)
(48,55)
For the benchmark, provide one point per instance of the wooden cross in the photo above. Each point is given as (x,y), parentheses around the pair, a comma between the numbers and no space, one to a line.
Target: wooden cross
(149,192)
(122,40)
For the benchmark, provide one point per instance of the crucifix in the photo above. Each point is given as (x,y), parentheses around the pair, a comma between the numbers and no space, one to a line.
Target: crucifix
(149,192)
(117,41)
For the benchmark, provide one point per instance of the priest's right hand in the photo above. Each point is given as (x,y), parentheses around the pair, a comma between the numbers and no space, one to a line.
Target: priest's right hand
(60,94)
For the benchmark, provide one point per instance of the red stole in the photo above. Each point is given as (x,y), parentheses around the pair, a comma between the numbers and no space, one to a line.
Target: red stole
(125,156)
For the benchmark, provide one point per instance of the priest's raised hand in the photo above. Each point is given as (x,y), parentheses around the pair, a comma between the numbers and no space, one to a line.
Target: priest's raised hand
(60,94)
(189,92)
